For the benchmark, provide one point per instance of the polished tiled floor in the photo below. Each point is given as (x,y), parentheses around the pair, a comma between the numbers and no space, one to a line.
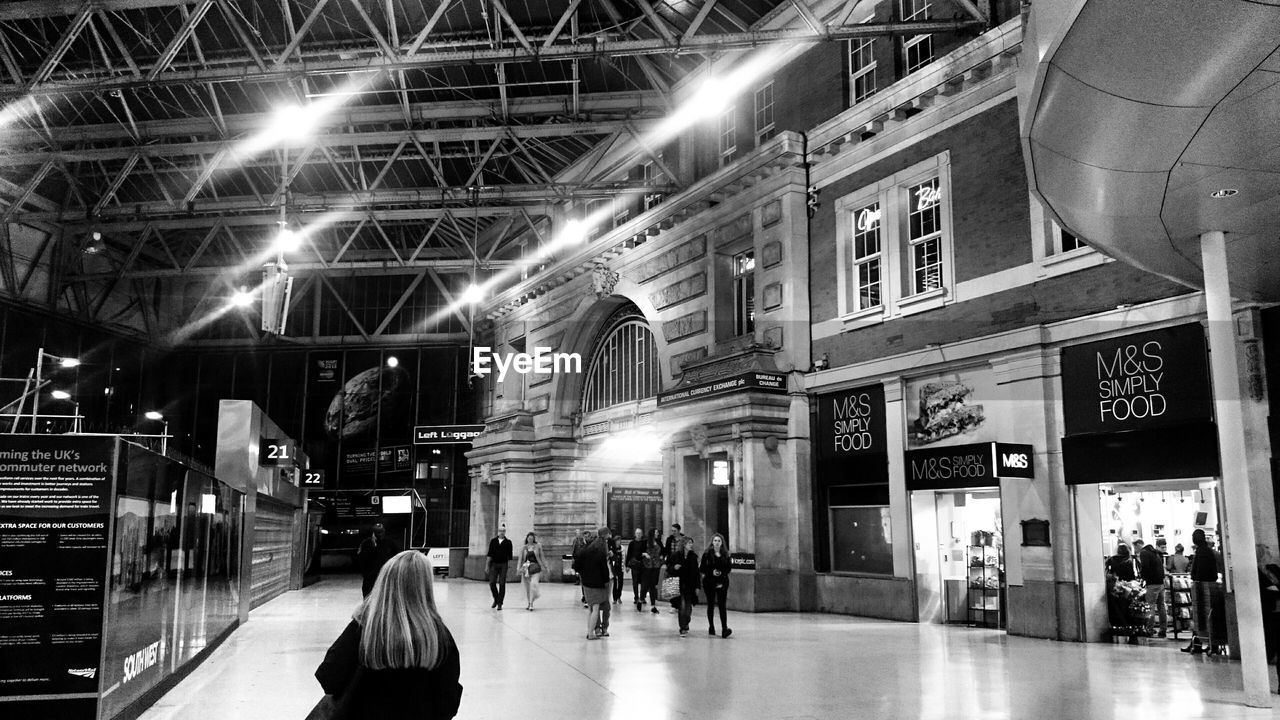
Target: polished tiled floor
(536,665)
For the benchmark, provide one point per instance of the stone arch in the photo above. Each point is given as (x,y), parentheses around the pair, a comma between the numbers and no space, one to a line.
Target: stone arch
(583,331)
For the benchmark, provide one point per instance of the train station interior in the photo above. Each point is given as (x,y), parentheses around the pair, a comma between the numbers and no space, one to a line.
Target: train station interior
(923,348)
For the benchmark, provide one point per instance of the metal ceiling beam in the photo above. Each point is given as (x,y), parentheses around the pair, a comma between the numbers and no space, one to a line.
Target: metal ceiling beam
(28,9)
(330,140)
(633,103)
(350,267)
(265,218)
(445,55)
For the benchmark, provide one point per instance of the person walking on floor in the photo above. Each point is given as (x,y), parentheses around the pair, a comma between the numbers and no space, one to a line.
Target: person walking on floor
(1204,575)
(635,563)
(615,566)
(714,568)
(592,563)
(674,540)
(531,564)
(580,541)
(1151,569)
(372,554)
(396,658)
(652,560)
(683,564)
(496,562)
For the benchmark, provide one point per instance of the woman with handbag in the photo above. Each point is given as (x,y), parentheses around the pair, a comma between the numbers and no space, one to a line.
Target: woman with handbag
(531,564)
(652,559)
(396,659)
(715,569)
(682,578)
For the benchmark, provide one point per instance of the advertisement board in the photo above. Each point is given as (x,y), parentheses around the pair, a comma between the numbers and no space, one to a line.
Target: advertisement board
(55,518)
(1136,382)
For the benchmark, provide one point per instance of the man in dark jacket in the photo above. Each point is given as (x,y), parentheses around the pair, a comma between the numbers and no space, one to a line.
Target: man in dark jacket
(635,563)
(674,540)
(592,564)
(496,566)
(372,554)
(1151,566)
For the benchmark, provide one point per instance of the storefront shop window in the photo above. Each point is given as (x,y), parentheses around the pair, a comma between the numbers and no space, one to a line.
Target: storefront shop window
(861,540)
(895,245)
(861,534)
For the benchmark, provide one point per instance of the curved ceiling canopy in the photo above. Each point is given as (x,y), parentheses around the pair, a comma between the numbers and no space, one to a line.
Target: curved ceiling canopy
(1134,114)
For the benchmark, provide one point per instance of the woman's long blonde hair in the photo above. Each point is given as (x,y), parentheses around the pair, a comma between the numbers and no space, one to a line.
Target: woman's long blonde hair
(401,627)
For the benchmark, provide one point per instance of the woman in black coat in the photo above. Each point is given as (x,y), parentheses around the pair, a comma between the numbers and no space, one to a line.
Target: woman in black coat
(396,660)
(715,569)
(683,563)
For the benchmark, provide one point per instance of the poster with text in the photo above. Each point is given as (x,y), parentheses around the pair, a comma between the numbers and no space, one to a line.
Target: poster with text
(55,511)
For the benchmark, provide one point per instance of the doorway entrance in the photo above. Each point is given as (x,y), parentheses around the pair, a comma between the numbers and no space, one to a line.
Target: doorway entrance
(959,553)
(1147,513)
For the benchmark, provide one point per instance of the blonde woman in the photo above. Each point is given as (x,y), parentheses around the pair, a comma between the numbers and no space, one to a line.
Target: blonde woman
(396,659)
(531,565)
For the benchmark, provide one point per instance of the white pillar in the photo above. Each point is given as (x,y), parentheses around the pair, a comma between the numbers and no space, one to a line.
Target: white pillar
(1238,510)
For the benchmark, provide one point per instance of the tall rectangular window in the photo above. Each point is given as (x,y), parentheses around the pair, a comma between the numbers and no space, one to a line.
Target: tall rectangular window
(744,292)
(651,174)
(862,70)
(924,236)
(764,114)
(894,244)
(728,135)
(866,258)
(918,49)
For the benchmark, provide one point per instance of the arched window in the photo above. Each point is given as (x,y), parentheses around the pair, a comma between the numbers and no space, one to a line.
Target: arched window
(624,367)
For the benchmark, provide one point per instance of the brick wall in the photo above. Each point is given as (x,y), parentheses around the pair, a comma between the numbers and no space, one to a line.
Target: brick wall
(990,216)
(1052,300)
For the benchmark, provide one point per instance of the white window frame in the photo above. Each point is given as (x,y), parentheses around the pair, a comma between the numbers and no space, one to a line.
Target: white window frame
(744,300)
(764,130)
(896,298)
(727,127)
(650,172)
(855,47)
(922,12)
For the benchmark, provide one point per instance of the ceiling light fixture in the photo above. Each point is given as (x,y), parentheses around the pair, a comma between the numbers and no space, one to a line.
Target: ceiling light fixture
(1224,193)
(242,298)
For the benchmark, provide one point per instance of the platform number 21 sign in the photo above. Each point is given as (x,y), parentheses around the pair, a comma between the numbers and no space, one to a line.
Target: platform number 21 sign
(277,452)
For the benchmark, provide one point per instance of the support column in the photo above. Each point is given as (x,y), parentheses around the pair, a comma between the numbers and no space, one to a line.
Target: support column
(1237,501)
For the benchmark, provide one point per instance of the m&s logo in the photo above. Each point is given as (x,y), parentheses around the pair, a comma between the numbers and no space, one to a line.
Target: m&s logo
(1014,460)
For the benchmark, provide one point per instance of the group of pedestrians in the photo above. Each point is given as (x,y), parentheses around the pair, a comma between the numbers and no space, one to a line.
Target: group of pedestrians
(600,562)
(1150,564)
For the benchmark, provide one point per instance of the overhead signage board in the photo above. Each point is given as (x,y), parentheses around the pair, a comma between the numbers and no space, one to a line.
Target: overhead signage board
(975,465)
(758,381)
(446,434)
(277,451)
(1135,382)
(55,517)
(851,422)
(313,478)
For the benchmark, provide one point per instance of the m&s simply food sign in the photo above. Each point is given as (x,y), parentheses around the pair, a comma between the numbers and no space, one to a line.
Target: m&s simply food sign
(1150,379)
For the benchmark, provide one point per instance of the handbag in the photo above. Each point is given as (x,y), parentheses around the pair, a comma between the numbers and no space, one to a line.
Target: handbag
(670,589)
(534,568)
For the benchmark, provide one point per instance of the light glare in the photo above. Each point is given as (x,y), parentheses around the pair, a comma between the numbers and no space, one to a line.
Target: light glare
(392,361)
(287,240)
(473,294)
(69,362)
(61,395)
(242,298)
(153,415)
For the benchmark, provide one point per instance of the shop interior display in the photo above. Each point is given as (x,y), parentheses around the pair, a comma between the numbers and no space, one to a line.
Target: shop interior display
(1153,511)
(985,572)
